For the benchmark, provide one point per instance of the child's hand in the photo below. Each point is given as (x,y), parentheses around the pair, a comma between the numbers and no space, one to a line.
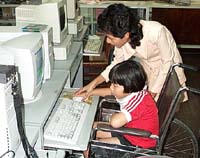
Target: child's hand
(84,95)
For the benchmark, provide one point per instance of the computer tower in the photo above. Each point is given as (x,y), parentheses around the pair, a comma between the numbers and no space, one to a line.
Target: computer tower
(9,135)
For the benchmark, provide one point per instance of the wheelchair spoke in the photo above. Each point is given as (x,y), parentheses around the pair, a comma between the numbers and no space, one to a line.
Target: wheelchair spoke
(185,141)
(180,141)
(186,153)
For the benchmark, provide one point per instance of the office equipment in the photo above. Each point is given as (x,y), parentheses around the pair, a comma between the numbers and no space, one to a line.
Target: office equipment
(76,25)
(9,136)
(83,138)
(79,99)
(26,52)
(72,9)
(10,32)
(38,112)
(66,123)
(73,65)
(94,45)
(62,50)
(40,14)
(34,28)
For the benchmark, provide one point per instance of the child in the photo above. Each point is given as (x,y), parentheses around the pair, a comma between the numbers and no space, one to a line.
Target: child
(137,107)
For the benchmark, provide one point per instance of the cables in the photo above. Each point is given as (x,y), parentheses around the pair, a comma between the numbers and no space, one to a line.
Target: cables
(7,152)
(18,103)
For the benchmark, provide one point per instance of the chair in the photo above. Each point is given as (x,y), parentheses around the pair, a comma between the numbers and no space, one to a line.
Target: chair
(175,138)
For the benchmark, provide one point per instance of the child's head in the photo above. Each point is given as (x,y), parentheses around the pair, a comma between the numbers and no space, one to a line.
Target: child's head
(130,75)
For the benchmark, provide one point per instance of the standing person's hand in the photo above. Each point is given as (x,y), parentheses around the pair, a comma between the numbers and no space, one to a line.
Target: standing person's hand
(153,94)
(84,91)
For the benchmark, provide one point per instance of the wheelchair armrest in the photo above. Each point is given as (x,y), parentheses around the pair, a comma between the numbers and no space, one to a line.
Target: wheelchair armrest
(124,130)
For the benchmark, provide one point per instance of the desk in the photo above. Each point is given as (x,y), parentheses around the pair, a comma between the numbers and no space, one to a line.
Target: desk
(62,75)
(37,113)
(84,136)
(73,65)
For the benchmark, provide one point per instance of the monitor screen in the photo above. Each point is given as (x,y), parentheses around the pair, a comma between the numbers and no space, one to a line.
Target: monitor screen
(28,55)
(39,65)
(62,18)
(42,14)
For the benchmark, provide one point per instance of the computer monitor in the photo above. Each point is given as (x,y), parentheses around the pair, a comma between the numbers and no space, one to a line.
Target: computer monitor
(10,32)
(52,13)
(72,9)
(26,52)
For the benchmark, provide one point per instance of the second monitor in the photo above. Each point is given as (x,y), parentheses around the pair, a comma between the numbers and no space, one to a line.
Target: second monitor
(52,13)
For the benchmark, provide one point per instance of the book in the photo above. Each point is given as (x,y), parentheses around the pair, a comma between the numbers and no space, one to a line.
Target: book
(34,28)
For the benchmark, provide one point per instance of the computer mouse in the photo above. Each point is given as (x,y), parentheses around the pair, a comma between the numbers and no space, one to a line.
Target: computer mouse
(77,98)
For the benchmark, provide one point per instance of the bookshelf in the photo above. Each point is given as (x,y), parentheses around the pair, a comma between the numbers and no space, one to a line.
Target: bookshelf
(7,14)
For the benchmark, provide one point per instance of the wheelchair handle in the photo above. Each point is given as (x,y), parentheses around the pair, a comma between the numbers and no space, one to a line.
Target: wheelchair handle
(194,90)
(189,67)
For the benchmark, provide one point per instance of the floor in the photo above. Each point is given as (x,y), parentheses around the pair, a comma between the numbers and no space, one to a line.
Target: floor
(189,112)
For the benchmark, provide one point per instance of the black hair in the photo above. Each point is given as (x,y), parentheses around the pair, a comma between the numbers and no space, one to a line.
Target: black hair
(117,20)
(129,74)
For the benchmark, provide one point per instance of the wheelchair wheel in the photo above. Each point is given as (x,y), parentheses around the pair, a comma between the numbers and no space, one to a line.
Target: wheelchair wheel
(180,141)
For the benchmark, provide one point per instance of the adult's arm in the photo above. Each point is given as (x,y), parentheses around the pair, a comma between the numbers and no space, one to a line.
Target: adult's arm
(89,87)
(119,56)
(168,48)
(100,92)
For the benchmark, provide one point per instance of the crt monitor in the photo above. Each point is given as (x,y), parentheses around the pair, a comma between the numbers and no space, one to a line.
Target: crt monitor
(26,52)
(10,32)
(72,9)
(52,13)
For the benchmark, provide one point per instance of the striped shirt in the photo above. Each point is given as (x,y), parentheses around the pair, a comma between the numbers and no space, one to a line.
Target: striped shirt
(141,112)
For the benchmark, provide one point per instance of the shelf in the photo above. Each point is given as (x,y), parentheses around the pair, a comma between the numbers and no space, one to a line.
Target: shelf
(91,13)
(7,12)
(92,67)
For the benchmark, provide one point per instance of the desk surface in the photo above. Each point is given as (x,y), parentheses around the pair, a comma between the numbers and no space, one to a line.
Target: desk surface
(37,113)
(65,65)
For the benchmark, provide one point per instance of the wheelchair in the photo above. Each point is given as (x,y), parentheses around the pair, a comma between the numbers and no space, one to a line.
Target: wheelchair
(175,139)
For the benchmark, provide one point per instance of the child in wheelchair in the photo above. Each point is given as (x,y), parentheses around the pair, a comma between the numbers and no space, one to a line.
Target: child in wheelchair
(137,107)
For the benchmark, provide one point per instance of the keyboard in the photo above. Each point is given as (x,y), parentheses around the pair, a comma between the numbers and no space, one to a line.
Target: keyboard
(93,45)
(66,123)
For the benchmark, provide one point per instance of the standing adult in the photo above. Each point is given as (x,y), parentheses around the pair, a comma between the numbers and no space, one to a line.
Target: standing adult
(149,41)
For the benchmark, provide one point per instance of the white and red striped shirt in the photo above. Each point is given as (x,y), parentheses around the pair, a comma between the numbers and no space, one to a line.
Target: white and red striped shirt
(141,112)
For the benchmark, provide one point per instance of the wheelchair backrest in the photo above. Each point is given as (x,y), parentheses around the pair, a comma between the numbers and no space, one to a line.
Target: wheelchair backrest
(171,95)
(168,101)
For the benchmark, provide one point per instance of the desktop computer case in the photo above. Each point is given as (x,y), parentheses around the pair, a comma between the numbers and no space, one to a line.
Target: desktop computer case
(9,135)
